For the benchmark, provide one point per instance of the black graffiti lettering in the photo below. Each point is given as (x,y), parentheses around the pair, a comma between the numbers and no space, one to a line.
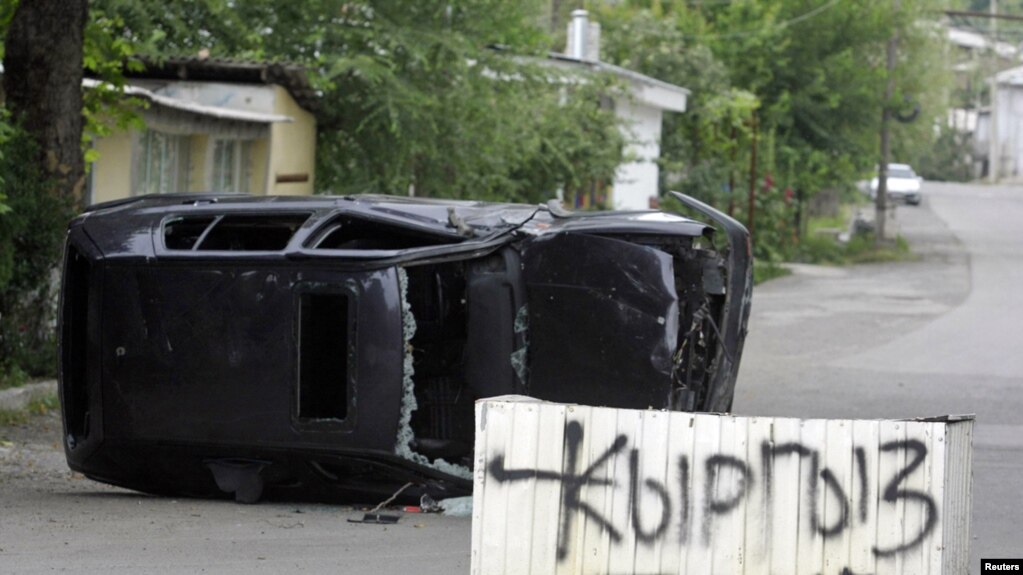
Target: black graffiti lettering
(684,505)
(715,506)
(723,493)
(501,474)
(571,484)
(768,453)
(766,468)
(861,466)
(771,452)
(811,490)
(643,536)
(892,493)
(831,482)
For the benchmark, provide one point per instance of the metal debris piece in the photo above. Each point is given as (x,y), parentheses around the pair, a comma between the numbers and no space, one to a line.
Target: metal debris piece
(377,519)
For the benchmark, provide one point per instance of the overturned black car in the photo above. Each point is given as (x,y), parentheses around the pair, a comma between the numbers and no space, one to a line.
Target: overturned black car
(329,348)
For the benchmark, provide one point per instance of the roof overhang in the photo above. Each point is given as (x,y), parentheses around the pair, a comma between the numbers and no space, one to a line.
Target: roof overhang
(974,41)
(1010,77)
(192,107)
(291,77)
(645,89)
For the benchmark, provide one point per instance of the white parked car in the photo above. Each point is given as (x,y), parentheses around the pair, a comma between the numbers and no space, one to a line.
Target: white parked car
(903,184)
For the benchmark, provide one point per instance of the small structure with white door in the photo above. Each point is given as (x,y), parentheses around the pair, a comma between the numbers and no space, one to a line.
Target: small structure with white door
(641,109)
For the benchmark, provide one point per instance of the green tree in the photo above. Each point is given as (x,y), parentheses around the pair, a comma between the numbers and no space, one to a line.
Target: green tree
(47,46)
(815,72)
(440,98)
(700,149)
(30,244)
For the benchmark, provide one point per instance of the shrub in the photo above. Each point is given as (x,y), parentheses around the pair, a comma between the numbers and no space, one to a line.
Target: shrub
(31,234)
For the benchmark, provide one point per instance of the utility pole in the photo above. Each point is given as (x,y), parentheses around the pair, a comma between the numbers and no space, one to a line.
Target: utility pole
(993,151)
(994,22)
(752,180)
(993,155)
(881,201)
(731,172)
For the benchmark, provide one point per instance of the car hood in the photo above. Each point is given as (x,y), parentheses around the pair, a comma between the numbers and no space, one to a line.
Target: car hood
(899,185)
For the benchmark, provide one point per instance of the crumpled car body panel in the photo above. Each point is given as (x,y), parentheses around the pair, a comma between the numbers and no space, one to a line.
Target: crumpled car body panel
(331,348)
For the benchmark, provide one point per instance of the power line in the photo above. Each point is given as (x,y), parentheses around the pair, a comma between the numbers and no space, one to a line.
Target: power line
(778,26)
(964,14)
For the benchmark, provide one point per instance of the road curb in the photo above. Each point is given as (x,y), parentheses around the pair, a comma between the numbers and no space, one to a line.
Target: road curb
(18,398)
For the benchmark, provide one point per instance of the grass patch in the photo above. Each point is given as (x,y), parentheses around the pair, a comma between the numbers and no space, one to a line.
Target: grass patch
(826,250)
(764,271)
(838,221)
(40,406)
(13,378)
(820,246)
(861,250)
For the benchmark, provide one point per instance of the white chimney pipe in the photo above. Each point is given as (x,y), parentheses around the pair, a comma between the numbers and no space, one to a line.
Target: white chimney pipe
(578,33)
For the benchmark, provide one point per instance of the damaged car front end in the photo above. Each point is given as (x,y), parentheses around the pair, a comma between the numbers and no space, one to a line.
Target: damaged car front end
(329,348)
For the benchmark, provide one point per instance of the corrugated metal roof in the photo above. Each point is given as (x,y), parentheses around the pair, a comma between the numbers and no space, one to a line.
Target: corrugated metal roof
(1012,76)
(290,76)
(631,75)
(192,107)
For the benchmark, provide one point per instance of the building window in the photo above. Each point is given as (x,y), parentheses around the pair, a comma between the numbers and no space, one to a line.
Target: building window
(161,163)
(231,166)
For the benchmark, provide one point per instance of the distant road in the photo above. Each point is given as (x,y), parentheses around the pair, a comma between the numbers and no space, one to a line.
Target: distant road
(943,335)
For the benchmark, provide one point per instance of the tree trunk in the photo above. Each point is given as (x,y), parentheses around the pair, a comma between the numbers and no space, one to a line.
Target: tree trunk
(43,84)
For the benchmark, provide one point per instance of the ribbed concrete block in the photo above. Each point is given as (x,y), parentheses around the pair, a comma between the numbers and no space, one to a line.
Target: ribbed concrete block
(586,490)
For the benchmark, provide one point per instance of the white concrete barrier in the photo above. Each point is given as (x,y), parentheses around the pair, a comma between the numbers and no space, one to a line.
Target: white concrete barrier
(587,490)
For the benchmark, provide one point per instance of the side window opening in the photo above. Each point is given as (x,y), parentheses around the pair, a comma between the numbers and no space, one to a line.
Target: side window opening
(184,233)
(244,233)
(443,423)
(349,233)
(323,342)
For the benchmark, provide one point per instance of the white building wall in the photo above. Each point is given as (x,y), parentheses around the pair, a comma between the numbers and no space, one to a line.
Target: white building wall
(636,181)
(1009,133)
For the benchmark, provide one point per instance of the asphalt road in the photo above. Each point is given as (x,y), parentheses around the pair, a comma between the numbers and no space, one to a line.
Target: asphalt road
(936,336)
(942,335)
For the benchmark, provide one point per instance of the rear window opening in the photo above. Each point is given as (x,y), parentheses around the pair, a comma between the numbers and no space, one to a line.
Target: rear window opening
(323,341)
(234,233)
(348,233)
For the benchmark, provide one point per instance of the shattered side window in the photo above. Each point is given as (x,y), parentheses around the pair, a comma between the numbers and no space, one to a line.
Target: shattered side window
(184,233)
(235,233)
(348,233)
